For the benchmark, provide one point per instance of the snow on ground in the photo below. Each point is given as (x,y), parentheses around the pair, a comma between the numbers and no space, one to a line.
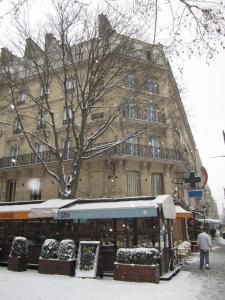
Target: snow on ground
(30,285)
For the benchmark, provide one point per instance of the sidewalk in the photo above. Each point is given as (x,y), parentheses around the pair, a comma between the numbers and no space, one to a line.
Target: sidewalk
(213,286)
(189,284)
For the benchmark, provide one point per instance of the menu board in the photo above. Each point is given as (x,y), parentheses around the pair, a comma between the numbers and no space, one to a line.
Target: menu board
(87,260)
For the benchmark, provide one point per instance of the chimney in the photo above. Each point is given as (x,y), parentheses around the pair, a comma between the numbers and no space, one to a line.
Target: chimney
(104,26)
(7,56)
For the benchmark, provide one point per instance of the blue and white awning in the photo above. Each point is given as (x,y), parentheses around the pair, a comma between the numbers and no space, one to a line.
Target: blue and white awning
(119,209)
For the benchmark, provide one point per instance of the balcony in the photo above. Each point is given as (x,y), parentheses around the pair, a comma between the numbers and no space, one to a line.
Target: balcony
(125,150)
(144,115)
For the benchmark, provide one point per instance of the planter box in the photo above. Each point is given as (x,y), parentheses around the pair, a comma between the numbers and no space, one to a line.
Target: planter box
(55,266)
(17,263)
(137,273)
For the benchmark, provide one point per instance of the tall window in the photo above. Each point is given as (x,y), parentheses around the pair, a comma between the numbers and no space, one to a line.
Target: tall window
(66,147)
(67,117)
(132,146)
(131,110)
(40,150)
(130,80)
(157,184)
(154,142)
(152,112)
(15,150)
(18,126)
(36,189)
(44,93)
(70,84)
(10,190)
(152,86)
(133,183)
(21,98)
(42,120)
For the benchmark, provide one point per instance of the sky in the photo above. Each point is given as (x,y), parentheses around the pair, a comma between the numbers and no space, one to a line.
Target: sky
(203,99)
(204,102)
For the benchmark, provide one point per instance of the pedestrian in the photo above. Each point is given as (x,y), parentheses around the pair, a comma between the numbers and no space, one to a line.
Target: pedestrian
(204,243)
(213,233)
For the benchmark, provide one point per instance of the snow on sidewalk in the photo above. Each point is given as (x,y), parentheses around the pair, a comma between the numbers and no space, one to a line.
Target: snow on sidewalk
(30,285)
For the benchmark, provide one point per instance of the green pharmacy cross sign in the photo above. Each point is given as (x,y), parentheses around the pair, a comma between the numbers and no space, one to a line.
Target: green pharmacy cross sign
(192,180)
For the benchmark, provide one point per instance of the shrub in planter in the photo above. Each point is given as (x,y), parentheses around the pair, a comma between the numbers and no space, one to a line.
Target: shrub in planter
(66,250)
(140,256)
(49,249)
(137,264)
(18,257)
(57,259)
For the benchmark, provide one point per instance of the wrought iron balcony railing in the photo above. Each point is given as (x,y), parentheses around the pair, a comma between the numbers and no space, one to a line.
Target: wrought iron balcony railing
(125,149)
(150,116)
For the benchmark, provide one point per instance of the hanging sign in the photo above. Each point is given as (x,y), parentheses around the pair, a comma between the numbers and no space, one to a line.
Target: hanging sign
(87,260)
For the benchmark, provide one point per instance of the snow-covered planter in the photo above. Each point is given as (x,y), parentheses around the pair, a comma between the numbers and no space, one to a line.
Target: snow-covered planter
(137,264)
(57,259)
(18,257)
(67,250)
(49,249)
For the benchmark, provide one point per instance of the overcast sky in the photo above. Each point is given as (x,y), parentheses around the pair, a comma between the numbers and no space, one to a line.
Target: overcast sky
(204,101)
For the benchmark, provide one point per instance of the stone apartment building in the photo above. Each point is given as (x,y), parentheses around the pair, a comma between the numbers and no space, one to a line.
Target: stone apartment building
(155,160)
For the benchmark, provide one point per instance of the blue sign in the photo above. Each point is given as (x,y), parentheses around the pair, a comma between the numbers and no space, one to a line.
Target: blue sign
(195,194)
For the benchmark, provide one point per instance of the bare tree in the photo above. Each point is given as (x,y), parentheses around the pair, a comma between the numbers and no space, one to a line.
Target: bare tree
(83,62)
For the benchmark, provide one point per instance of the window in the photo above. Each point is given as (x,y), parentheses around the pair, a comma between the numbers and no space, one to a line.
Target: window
(157,184)
(42,120)
(21,98)
(66,148)
(130,81)
(15,150)
(68,179)
(131,111)
(132,146)
(70,84)
(44,92)
(152,86)
(10,190)
(149,55)
(40,150)
(152,114)
(67,117)
(133,183)
(18,126)
(154,142)
(35,186)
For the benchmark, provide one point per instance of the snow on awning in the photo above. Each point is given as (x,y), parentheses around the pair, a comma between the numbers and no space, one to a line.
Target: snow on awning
(17,211)
(182,213)
(168,207)
(108,210)
(49,208)
(120,209)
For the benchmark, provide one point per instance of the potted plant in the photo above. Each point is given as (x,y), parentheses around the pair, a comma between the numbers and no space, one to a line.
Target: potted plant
(18,257)
(66,258)
(137,264)
(57,258)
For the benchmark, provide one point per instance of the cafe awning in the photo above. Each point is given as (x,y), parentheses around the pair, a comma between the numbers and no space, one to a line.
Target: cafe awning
(182,213)
(16,211)
(25,211)
(49,208)
(117,209)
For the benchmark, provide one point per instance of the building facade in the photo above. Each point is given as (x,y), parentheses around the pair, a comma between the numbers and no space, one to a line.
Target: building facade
(153,147)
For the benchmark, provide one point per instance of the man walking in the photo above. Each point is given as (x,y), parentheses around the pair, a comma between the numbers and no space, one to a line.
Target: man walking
(204,243)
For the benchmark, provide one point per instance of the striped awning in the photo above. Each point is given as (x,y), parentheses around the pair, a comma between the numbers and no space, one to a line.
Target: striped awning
(182,213)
